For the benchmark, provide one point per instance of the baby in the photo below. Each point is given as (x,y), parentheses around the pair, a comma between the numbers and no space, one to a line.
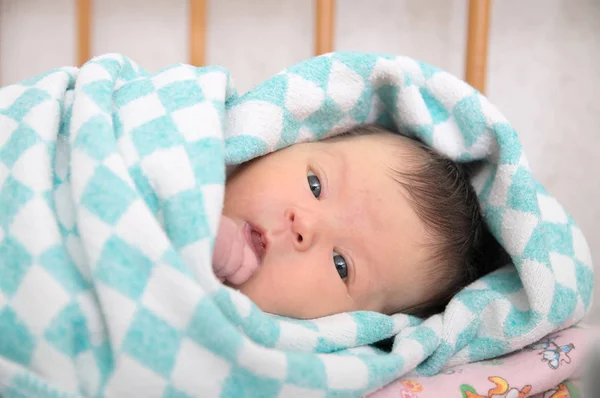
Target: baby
(369,220)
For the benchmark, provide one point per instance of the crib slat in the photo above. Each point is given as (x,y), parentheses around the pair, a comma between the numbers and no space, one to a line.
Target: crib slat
(477,43)
(84,10)
(324,26)
(197,10)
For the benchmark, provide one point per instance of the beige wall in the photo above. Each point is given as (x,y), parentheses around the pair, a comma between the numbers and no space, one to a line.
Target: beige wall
(544,59)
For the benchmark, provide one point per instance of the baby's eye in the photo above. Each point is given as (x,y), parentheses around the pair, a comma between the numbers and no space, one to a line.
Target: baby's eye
(340,265)
(314,184)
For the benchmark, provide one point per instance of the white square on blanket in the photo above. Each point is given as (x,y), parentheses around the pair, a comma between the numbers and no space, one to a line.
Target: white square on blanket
(53,365)
(34,169)
(93,243)
(499,193)
(295,337)
(171,295)
(39,299)
(10,95)
(199,372)
(580,247)
(4,172)
(263,361)
(345,86)
(212,195)
(517,227)
(118,310)
(340,328)
(169,171)
(551,210)
(303,97)
(83,110)
(91,73)
(386,72)
(564,270)
(448,89)
(213,85)
(140,111)
(132,379)
(7,126)
(34,213)
(174,74)
(345,372)
(541,283)
(447,140)
(409,348)
(44,119)
(138,227)
(198,121)
(411,108)
(128,150)
(257,118)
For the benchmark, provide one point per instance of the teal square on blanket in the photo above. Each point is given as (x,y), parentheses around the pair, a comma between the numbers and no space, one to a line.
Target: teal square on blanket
(244,383)
(181,94)
(305,370)
(107,196)
(185,218)
(486,347)
(152,342)
(17,343)
(564,301)
(171,392)
(68,331)
(21,139)
(123,267)
(210,329)
(26,101)
(15,261)
(159,133)
(132,91)
(206,158)
(95,137)
(57,261)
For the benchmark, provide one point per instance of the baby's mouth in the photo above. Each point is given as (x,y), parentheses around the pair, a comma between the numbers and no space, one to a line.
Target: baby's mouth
(257,241)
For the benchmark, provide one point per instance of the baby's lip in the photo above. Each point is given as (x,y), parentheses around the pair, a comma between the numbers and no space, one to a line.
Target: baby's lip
(256,239)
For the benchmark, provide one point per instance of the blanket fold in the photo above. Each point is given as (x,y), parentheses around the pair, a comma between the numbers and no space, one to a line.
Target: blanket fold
(111,189)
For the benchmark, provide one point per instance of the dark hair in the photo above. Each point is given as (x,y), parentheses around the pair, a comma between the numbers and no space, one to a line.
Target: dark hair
(461,246)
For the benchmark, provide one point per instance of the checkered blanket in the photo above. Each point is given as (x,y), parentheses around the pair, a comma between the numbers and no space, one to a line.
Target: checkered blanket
(111,188)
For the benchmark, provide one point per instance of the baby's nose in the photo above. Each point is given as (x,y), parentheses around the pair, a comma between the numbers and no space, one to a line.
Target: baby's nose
(302,228)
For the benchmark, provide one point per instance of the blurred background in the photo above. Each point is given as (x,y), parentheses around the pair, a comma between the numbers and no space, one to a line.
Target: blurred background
(543,64)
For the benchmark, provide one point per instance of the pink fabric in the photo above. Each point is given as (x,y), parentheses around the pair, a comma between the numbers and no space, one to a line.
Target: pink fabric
(547,369)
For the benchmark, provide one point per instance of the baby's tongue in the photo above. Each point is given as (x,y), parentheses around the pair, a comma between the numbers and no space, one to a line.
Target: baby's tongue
(233,258)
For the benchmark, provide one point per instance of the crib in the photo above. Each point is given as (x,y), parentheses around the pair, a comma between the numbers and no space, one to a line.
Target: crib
(324,40)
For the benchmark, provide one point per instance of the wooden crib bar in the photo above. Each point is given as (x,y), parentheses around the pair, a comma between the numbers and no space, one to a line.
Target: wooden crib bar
(197,32)
(324,26)
(84,13)
(477,43)
(477,34)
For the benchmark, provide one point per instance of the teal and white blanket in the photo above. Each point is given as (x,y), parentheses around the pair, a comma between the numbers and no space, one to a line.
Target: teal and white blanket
(111,188)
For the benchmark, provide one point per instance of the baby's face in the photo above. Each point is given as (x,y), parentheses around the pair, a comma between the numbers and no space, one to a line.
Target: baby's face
(338,231)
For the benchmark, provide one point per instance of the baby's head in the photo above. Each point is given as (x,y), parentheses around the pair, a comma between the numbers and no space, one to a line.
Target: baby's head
(369,220)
